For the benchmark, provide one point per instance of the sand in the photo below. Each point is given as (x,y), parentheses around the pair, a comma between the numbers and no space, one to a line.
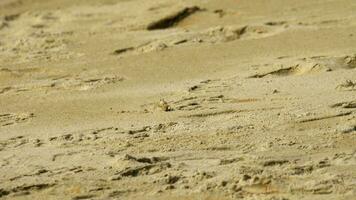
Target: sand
(166,99)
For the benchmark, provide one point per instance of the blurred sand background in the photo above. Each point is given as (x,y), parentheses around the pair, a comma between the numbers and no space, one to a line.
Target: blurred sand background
(189,99)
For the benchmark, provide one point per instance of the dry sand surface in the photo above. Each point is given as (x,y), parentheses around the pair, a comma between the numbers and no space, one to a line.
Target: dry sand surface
(188,99)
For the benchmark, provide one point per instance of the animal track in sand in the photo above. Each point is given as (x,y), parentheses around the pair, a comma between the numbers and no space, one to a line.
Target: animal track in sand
(83,137)
(213,113)
(144,169)
(25,189)
(202,96)
(324,117)
(254,179)
(348,84)
(13,143)
(12,119)
(345,104)
(344,158)
(158,128)
(109,134)
(20,141)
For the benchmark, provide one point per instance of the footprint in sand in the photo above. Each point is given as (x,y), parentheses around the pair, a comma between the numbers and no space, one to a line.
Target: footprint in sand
(9,119)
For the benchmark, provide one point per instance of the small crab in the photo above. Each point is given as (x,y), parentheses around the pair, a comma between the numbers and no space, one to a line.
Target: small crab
(347,84)
(164,106)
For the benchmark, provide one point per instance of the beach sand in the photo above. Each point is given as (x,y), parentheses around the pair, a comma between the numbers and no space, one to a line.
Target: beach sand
(189,99)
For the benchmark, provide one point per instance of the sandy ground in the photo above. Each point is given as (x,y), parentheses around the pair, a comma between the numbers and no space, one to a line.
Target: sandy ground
(189,99)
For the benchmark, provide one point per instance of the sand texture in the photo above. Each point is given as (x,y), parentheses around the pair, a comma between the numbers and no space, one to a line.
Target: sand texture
(188,99)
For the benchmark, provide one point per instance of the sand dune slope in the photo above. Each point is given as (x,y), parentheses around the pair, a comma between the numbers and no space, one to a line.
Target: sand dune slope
(165,99)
